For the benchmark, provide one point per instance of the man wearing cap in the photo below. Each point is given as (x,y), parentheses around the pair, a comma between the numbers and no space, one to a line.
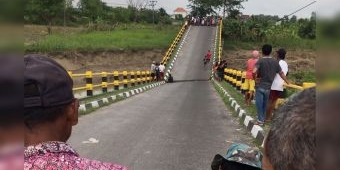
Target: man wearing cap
(11,113)
(249,84)
(50,111)
(264,73)
(277,86)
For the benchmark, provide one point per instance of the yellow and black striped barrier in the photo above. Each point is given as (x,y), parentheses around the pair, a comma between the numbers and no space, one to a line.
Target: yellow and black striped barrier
(105,80)
(174,44)
(236,78)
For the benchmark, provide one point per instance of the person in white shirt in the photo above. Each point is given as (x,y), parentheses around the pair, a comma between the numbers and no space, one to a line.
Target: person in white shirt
(153,72)
(278,83)
(161,70)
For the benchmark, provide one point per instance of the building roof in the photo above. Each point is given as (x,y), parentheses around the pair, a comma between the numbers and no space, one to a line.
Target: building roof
(180,10)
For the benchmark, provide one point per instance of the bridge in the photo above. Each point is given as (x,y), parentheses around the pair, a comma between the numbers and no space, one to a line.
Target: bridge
(179,125)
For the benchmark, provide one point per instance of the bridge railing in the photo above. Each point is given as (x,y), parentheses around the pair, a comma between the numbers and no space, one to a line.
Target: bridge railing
(173,45)
(220,46)
(237,78)
(102,82)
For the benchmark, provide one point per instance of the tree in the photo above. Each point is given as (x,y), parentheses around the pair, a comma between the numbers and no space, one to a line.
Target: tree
(293,19)
(162,12)
(45,10)
(136,6)
(231,7)
(91,8)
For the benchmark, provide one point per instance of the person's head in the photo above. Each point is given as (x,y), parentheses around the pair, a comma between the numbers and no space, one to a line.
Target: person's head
(291,141)
(11,113)
(267,49)
(48,101)
(208,51)
(255,54)
(281,54)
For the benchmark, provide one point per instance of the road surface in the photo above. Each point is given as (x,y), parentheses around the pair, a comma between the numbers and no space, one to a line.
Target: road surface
(176,126)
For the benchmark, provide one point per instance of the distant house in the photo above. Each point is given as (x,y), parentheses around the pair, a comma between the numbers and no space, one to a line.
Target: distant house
(180,11)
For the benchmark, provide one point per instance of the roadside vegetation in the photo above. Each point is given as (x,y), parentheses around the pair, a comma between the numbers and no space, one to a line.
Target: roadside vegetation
(95,25)
(127,37)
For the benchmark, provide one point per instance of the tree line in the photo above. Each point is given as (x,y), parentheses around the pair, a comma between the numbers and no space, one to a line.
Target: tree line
(63,12)
(255,28)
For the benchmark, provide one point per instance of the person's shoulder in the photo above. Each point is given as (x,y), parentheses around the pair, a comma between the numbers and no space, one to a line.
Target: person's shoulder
(94,164)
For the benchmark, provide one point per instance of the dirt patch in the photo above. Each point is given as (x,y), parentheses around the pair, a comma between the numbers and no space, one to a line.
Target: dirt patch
(98,61)
(298,60)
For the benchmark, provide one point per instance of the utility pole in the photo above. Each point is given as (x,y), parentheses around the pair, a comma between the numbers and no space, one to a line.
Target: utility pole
(153,4)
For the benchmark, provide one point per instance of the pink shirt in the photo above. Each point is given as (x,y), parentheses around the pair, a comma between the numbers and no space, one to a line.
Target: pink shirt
(250,67)
(59,155)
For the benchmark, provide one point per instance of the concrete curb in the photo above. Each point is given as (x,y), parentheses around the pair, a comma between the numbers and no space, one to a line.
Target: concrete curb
(256,131)
(105,101)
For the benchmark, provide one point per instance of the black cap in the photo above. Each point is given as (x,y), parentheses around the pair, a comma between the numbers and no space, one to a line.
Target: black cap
(281,52)
(47,83)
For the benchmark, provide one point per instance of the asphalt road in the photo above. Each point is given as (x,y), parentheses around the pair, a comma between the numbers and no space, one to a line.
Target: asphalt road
(176,126)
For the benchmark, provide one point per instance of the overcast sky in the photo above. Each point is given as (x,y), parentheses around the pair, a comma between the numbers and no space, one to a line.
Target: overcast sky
(268,7)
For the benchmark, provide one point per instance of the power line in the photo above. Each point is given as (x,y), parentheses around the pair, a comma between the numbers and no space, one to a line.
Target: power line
(301,9)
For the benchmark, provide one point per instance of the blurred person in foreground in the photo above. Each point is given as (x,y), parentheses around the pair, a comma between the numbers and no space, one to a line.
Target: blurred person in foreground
(291,141)
(50,112)
(277,89)
(249,84)
(264,73)
(328,129)
(11,113)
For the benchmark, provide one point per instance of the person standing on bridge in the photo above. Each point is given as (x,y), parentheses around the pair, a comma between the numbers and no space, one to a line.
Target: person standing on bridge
(207,58)
(162,70)
(249,84)
(153,73)
(277,86)
(50,111)
(264,73)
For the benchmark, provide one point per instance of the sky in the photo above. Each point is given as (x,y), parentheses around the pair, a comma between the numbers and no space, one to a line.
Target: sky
(267,7)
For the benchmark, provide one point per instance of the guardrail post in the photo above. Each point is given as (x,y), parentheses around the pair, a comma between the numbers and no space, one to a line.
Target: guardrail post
(104,82)
(89,83)
(116,80)
(132,77)
(225,74)
(138,78)
(244,74)
(143,77)
(148,75)
(239,80)
(125,80)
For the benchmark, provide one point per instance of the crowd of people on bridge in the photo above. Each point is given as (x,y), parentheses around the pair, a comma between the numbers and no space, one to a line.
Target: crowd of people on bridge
(203,21)
(157,71)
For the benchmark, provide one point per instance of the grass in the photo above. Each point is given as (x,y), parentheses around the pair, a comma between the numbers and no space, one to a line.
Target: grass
(134,38)
(227,102)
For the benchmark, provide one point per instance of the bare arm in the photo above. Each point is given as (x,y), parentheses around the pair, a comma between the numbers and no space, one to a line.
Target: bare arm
(282,75)
(255,73)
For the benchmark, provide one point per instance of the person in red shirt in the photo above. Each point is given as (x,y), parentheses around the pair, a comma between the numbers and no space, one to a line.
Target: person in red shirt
(207,58)
(249,84)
